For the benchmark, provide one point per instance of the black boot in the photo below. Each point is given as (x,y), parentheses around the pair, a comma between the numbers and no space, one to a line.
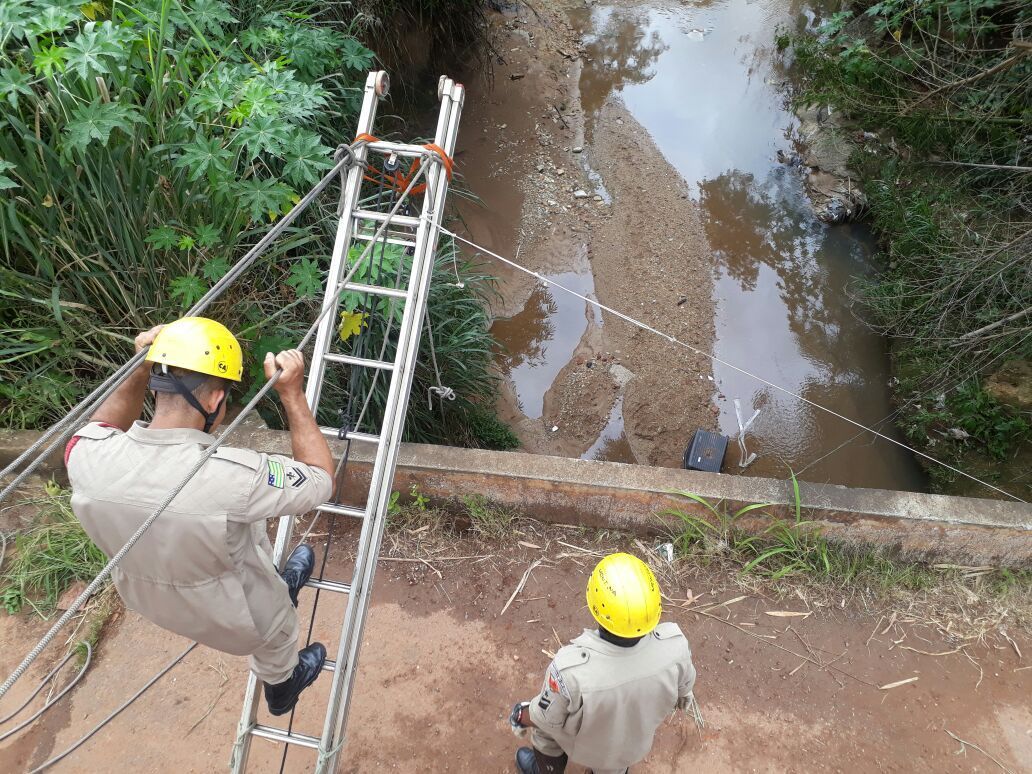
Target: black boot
(298,570)
(533,761)
(283,696)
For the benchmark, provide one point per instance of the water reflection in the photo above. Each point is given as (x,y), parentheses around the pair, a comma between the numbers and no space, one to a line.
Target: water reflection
(542,338)
(612,444)
(702,79)
(621,50)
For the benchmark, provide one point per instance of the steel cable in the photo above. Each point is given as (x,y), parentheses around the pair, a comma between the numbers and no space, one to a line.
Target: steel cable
(209,451)
(716,359)
(344,159)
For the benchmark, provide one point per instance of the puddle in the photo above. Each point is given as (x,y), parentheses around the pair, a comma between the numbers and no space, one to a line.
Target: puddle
(700,77)
(612,444)
(542,338)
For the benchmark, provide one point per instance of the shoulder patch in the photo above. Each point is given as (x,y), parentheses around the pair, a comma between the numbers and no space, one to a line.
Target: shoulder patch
(556,683)
(667,631)
(277,475)
(246,457)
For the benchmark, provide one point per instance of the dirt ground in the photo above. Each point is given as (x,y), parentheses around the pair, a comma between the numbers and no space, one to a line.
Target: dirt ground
(608,205)
(441,665)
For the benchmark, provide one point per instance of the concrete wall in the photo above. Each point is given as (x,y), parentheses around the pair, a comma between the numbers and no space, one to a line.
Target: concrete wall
(632,497)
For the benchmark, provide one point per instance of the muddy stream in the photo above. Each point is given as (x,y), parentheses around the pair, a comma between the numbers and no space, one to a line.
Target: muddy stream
(630,152)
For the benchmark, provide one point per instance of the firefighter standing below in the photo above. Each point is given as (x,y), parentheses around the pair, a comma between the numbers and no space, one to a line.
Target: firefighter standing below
(605,694)
(204,568)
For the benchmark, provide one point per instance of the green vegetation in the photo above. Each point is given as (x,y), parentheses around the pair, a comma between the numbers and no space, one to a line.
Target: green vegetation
(941,92)
(143,147)
(787,548)
(488,519)
(48,558)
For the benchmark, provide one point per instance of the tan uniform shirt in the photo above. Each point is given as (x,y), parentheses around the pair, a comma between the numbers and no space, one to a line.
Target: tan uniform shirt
(602,703)
(204,568)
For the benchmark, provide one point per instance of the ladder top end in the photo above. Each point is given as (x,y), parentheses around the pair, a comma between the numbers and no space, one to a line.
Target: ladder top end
(381,83)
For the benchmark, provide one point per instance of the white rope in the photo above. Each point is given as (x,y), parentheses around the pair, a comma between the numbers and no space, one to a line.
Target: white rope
(344,158)
(716,359)
(106,571)
(442,392)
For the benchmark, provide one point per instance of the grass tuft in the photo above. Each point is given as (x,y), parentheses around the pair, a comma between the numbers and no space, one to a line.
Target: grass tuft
(48,558)
(488,519)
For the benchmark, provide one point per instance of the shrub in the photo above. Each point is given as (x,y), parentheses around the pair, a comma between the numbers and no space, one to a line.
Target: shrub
(143,147)
(947,88)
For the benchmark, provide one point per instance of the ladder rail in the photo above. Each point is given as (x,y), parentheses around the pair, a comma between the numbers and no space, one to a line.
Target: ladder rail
(384,466)
(401,373)
(313,388)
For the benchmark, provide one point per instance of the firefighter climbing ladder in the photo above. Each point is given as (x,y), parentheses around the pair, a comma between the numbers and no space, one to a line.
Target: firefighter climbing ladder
(419,235)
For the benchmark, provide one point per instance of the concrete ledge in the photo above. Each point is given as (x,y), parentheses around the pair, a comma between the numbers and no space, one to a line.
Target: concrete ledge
(632,497)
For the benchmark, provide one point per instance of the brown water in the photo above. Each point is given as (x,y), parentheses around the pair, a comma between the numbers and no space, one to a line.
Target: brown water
(702,78)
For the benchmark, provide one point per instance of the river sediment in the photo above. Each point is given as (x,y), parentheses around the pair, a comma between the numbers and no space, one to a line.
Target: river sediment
(631,151)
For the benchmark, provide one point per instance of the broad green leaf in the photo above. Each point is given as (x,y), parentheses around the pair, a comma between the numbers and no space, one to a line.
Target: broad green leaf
(207,235)
(252,39)
(306,158)
(188,290)
(305,277)
(213,96)
(205,156)
(259,98)
(302,101)
(215,269)
(356,56)
(52,19)
(49,59)
(12,83)
(97,120)
(210,15)
(163,237)
(96,50)
(262,196)
(14,17)
(263,134)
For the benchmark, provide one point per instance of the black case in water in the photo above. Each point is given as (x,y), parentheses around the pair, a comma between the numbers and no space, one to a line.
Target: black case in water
(705,452)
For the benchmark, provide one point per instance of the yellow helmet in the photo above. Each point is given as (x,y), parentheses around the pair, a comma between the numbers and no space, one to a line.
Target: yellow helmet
(201,345)
(623,596)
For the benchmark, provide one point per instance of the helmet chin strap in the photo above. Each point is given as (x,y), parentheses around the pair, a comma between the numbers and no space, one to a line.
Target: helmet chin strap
(162,380)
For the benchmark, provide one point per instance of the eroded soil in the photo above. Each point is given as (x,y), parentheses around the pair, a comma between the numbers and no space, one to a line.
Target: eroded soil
(441,666)
(609,218)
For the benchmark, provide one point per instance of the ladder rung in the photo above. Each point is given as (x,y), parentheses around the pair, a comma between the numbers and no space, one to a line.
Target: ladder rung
(388,240)
(329,665)
(341,510)
(276,735)
(396,220)
(402,149)
(325,585)
(376,290)
(334,433)
(362,362)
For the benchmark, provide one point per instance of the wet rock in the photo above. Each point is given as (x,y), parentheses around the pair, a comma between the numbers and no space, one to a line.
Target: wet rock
(620,374)
(1012,385)
(826,147)
(580,193)
(578,149)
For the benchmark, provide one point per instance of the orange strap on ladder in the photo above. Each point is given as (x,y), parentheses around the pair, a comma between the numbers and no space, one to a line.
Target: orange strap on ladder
(399,181)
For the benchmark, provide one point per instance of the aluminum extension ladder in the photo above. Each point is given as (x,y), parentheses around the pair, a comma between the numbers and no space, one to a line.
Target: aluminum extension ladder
(420,234)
